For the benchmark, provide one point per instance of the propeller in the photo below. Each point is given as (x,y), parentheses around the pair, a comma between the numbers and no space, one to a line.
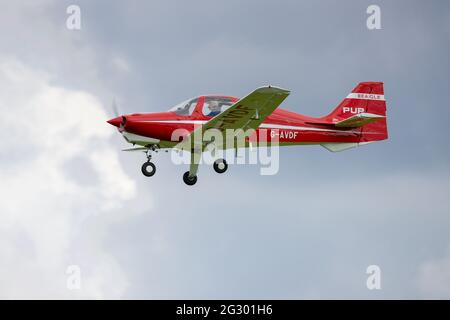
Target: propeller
(116,112)
(122,124)
(115,108)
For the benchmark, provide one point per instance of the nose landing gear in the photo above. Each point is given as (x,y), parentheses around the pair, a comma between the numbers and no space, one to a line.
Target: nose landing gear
(148,168)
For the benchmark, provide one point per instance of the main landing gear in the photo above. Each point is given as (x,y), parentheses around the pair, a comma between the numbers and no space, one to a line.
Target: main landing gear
(190,181)
(148,168)
(220,166)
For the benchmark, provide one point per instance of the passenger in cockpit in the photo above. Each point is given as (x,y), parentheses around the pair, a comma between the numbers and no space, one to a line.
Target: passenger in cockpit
(214,108)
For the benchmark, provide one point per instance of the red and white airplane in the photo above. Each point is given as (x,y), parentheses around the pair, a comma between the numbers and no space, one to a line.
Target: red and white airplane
(359,119)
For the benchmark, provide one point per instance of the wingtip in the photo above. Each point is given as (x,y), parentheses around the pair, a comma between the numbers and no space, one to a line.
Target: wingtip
(271,88)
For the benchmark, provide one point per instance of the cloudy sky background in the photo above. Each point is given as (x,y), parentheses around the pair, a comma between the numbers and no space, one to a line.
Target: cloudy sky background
(70,197)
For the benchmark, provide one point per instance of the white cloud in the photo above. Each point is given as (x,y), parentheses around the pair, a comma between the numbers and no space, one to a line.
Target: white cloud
(434,278)
(120,64)
(50,217)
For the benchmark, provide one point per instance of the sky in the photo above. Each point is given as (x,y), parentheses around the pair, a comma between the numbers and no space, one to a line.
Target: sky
(70,197)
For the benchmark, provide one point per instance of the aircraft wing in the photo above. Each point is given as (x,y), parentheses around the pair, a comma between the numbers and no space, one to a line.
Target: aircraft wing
(250,111)
(247,113)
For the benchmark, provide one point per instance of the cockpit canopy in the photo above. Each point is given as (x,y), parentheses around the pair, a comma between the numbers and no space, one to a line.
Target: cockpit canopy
(209,106)
(185,108)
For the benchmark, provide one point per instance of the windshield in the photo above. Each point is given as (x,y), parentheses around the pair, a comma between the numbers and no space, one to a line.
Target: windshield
(185,108)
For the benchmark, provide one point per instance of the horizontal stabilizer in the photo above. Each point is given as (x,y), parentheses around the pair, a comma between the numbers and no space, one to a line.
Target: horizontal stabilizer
(358,120)
(336,147)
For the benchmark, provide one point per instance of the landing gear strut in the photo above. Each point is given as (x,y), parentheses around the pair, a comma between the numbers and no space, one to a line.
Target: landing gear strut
(190,181)
(148,168)
(220,166)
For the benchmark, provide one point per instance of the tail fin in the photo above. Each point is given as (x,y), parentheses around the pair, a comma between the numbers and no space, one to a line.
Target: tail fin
(364,108)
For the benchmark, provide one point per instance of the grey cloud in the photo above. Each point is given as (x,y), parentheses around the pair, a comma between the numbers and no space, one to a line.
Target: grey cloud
(309,231)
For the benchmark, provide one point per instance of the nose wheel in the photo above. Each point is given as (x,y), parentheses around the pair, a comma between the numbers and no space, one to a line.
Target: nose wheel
(220,166)
(148,169)
(190,181)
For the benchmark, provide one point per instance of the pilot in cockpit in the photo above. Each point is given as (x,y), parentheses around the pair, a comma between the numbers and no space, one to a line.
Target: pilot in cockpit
(214,108)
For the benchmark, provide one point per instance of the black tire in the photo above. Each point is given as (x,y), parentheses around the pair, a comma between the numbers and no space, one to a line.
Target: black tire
(148,169)
(220,166)
(189,181)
